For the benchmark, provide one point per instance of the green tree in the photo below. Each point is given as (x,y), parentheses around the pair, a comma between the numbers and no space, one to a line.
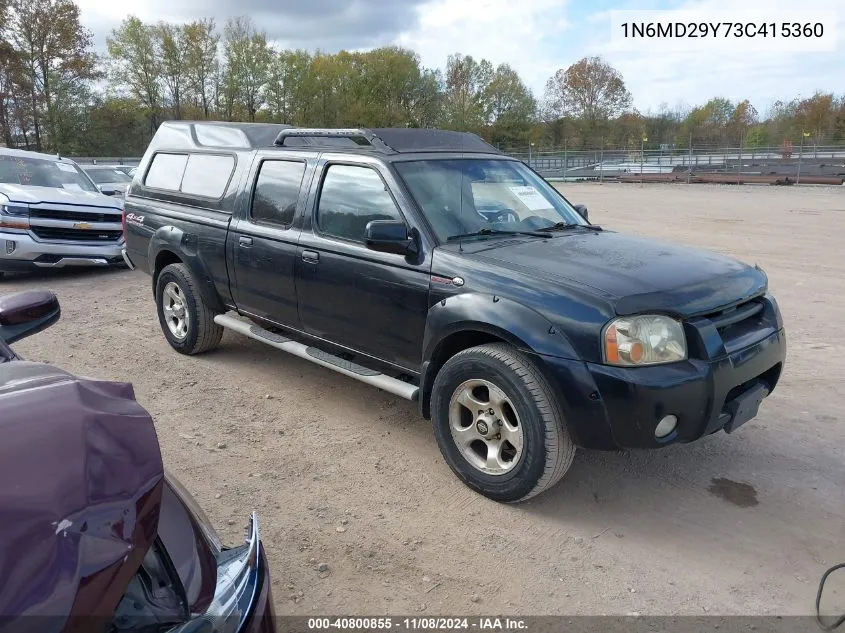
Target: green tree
(426,104)
(466,82)
(742,119)
(509,106)
(247,60)
(708,124)
(136,65)
(288,76)
(757,137)
(389,79)
(54,49)
(201,63)
(117,126)
(14,88)
(170,40)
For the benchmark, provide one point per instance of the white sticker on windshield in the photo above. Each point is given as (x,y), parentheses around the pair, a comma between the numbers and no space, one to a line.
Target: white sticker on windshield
(66,167)
(531,198)
(72,186)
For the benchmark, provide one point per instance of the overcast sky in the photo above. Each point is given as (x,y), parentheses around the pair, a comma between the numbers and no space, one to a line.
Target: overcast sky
(536,37)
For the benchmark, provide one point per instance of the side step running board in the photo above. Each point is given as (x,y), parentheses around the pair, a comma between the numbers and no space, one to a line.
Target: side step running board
(319,357)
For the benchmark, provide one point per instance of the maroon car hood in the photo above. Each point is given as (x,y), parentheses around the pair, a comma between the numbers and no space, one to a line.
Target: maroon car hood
(81,481)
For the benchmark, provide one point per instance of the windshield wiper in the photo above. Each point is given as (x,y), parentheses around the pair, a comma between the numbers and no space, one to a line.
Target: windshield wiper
(486,231)
(563,226)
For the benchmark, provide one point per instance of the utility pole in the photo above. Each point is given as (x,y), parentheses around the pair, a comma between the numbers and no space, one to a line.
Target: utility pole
(601,162)
(689,170)
(800,155)
(739,176)
(642,155)
(565,160)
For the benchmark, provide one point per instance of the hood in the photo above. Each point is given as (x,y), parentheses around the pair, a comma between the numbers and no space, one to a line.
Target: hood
(82,486)
(36,195)
(636,274)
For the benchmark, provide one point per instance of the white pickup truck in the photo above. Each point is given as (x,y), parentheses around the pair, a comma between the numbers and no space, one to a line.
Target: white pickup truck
(52,215)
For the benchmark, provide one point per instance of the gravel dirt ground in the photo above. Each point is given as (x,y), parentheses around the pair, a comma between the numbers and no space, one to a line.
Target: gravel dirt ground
(343,474)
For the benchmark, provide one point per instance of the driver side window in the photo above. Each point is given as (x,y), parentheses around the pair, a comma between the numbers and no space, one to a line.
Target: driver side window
(352,196)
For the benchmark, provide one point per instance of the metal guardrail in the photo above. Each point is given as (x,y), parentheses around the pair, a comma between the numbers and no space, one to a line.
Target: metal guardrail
(600,163)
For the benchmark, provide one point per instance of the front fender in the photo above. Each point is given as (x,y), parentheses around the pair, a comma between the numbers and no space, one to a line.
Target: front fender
(521,326)
(171,239)
(505,319)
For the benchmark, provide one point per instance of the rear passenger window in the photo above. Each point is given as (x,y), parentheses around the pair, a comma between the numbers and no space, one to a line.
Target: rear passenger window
(207,175)
(276,191)
(166,171)
(350,198)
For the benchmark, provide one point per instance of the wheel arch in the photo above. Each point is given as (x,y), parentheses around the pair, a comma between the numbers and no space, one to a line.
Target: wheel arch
(166,247)
(468,320)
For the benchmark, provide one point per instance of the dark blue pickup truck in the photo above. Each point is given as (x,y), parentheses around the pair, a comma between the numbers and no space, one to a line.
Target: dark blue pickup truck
(428,264)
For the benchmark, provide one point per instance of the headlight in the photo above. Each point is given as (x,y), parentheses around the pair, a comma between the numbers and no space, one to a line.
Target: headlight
(644,340)
(14,216)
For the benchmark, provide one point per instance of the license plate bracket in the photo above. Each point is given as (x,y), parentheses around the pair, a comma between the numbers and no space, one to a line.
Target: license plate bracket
(745,407)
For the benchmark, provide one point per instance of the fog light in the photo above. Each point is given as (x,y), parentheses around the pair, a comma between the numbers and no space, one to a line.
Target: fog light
(10,247)
(665,426)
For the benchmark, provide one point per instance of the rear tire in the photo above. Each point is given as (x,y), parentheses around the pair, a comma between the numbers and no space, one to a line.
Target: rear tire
(498,424)
(187,323)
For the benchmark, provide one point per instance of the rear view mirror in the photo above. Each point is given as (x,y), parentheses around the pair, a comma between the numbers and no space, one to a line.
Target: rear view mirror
(389,236)
(582,211)
(25,313)
(107,190)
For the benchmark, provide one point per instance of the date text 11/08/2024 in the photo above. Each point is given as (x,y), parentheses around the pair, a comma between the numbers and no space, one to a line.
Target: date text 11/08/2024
(418,624)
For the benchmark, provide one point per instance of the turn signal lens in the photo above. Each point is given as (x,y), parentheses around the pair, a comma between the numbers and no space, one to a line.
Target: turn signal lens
(644,340)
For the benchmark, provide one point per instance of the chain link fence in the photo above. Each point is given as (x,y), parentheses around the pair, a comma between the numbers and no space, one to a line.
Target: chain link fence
(787,163)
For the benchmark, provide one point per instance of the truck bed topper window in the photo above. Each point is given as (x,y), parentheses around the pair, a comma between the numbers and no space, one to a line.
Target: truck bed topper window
(204,175)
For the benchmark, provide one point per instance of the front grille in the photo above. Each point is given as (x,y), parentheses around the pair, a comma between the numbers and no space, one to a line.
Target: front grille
(75,216)
(724,319)
(79,235)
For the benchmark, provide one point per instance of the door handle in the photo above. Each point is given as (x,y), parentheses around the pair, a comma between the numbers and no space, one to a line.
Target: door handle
(245,241)
(312,257)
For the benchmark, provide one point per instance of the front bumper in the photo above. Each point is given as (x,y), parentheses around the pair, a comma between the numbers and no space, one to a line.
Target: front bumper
(262,615)
(20,252)
(619,407)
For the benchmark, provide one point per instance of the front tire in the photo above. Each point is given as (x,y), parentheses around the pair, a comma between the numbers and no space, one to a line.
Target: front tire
(498,425)
(187,323)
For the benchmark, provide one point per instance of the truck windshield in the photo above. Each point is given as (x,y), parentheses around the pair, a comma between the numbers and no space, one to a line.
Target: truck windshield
(37,172)
(484,197)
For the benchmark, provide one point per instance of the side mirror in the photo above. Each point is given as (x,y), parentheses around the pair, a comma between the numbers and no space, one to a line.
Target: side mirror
(26,313)
(107,190)
(582,211)
(389,236)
